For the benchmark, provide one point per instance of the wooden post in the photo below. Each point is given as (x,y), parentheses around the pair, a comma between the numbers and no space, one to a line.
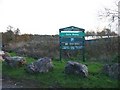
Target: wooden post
(60,45)
(83,48)
(60,51)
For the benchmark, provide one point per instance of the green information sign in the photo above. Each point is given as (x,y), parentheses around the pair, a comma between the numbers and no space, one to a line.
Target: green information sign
(72,38)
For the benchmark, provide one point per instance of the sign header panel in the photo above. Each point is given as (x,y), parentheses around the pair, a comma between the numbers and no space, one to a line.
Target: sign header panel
(72,34)
(71,28)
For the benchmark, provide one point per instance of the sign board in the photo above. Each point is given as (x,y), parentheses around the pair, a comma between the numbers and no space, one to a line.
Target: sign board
(71,38)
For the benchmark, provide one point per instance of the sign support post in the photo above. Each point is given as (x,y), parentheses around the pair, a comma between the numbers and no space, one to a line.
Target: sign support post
(83,49)
(60,47)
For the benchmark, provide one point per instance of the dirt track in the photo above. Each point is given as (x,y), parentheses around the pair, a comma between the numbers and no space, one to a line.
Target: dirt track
(12,83)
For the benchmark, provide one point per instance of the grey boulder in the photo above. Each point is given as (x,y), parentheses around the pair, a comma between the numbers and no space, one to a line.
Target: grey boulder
(76,68)
(42,65)
(15,61)
(6,54)
(112,70)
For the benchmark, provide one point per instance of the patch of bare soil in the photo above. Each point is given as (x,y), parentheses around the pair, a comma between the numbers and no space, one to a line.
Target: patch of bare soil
(8,82)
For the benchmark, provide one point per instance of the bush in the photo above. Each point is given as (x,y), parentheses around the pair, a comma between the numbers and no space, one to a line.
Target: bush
(48,46)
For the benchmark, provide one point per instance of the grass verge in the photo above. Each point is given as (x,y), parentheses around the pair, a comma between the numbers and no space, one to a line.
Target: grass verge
(57,78)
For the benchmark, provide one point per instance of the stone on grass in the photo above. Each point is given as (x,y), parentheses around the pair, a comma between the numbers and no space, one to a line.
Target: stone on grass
(76,68)
(1,54)
(112,70)
(15,61)
(42,65)
(6,54)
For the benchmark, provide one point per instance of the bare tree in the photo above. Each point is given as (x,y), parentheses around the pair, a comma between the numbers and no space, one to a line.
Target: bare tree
(90,33)
(17,31)
(112,15)
(9,28)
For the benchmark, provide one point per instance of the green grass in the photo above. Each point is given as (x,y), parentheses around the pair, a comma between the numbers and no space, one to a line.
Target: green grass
(57,77)
(13,54)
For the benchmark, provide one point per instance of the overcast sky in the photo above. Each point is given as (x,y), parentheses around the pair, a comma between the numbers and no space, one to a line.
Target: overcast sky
(48,16)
